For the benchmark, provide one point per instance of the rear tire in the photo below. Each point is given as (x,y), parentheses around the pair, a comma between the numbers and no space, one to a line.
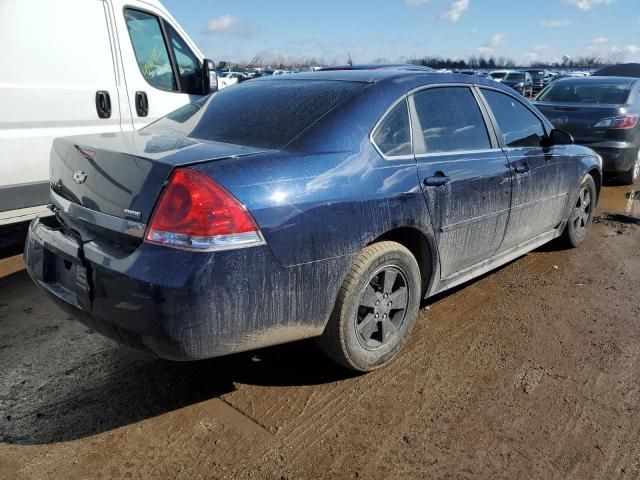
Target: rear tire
(376,308)
(633,174)
(581,215)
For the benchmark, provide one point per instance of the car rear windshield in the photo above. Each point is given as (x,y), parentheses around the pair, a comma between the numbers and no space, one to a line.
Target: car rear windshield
(259,113)
(581,91)
(518,77)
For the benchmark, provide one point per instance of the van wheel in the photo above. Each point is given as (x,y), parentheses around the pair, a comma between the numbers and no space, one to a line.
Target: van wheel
(376,308)
(633,174)
(581,215)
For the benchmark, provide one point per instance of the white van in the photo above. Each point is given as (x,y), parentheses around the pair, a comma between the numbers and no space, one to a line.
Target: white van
(72,67)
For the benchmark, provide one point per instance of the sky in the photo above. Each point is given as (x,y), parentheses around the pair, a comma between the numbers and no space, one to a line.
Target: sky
(394,30)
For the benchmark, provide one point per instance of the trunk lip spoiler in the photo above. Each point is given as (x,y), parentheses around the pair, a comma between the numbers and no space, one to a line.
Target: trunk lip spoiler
(117,224)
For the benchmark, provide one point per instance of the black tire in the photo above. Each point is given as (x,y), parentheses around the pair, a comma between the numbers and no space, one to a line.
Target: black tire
(581,214)
(633,174)
(12,239)
(357,335)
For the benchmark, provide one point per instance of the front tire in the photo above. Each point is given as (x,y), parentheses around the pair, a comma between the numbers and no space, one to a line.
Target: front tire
(581,215)
(376,308)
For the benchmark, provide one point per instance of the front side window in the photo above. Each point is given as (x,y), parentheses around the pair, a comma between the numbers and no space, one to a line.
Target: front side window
(451,120)
(189,70)
(150,49)
(393,135)
(519,126)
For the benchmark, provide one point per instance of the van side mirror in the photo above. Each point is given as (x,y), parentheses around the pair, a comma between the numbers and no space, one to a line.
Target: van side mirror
(560,137)
(209,77)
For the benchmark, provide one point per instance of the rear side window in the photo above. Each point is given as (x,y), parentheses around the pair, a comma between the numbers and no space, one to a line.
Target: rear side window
(576,91)
(150,49)
(519,126)
(393,135)
(261,113)
(451,120)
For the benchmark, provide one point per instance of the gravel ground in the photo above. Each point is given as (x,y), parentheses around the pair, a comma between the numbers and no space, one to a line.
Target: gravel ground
(529,372)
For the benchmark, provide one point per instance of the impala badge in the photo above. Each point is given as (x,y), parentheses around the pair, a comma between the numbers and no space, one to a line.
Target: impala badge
(79,177)
(562,121)
(132,213)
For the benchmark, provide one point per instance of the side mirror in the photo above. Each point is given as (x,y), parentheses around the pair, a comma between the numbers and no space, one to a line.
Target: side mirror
(209,77)
(560,137)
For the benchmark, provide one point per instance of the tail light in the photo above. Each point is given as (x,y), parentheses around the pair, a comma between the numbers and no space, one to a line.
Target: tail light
(196,213)
(623,122)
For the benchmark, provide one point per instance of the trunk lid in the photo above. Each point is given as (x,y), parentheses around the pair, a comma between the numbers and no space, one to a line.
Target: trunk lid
(580,120)
(122,174)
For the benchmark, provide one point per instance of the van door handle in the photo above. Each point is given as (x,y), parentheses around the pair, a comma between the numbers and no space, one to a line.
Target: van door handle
(436,181)
(103,104)
(142,104)
(521,168)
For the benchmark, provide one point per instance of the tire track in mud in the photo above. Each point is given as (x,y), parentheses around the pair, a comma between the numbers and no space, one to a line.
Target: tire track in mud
(309,416)
(304,422)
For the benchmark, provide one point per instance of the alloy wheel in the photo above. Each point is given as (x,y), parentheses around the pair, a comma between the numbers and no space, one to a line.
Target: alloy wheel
(582,211)
(382,308)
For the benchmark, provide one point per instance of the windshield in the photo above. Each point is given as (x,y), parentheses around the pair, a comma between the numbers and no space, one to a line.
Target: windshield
(517,77)
(536,73)
(261,113)
(580,91)
(498,74)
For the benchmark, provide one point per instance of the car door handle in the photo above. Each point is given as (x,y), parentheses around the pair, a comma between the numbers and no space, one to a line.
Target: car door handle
(522,168)
(103,104)
(436,181)
(142,104)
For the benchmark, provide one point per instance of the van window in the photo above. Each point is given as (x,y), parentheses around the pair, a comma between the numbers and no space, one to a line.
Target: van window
(150,49)
(393,135)
(451,120)
(189,70)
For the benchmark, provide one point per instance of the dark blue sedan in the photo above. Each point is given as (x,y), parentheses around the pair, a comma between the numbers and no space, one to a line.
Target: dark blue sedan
(325,205)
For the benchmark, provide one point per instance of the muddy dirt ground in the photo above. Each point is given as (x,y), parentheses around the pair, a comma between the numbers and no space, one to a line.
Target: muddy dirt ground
(532,371)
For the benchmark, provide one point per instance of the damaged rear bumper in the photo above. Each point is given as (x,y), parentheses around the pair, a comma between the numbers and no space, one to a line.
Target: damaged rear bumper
(182,305)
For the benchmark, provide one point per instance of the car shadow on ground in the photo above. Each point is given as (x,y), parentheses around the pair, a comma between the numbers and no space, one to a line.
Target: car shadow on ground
(140,388)
(82,384)
(60,382)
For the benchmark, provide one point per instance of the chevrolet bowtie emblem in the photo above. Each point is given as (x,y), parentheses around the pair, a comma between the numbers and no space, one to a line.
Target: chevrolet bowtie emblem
(79,177)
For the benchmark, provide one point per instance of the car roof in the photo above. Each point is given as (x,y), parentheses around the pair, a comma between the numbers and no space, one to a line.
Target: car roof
(408,79)
(378,66)
(631,70)
(600,79)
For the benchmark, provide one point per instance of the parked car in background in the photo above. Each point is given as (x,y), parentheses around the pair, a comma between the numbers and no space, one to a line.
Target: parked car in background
(356,195)
(602,113)
(238,76)
(519,81)
(620,70)
(539,79)
(498,75)
(109,66)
